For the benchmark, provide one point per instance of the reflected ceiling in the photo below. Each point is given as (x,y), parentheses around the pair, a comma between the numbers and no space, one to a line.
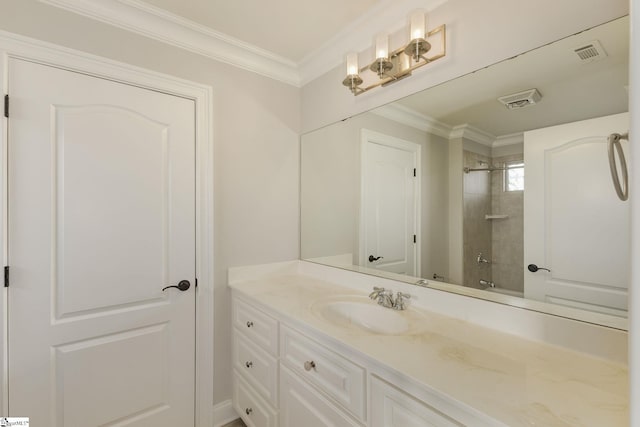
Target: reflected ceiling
(561,78)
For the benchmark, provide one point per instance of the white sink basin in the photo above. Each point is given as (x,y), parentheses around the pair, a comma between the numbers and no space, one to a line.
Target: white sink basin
(366,314)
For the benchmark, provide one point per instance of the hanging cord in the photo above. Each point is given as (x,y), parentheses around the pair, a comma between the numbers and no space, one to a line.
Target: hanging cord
(614,141)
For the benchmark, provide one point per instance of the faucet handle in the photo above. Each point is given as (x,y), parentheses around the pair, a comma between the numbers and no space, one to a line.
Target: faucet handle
(398,304)
(377,291)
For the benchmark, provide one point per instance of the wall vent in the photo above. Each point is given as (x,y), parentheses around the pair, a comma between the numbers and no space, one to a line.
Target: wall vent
(521,99)
(590,52)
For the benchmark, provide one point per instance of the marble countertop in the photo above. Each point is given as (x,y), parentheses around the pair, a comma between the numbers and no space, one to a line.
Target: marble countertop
(512,380)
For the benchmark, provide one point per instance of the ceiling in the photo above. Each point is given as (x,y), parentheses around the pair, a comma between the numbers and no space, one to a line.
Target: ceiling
(571,90)
(288,28)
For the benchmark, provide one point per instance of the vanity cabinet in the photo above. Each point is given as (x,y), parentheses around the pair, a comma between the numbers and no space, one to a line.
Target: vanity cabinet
(288,378)
(255,365)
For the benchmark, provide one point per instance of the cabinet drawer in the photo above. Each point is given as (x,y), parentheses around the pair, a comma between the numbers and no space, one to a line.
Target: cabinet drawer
(391,407)
(260,328)
(253,410)
(339,378)
(302,406)
(258,367)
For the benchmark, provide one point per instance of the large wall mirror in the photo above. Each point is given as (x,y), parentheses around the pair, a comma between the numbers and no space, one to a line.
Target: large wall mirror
(495,185)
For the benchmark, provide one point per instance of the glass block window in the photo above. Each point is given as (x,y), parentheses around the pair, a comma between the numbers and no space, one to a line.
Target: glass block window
(514,176)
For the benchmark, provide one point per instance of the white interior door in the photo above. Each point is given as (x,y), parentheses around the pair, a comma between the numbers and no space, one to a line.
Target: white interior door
(390,208)
(575,225)
(101,218)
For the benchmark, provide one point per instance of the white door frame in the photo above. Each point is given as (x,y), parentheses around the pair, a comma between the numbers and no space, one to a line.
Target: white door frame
(366,136)
(15,46)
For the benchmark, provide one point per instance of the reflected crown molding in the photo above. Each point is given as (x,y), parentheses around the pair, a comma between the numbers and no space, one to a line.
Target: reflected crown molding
(472,133)
(410,117)
(510,139)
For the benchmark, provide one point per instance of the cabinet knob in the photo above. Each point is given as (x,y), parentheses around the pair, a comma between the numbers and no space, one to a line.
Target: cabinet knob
(309,365)
(248,364)
(249,324)
(248,411)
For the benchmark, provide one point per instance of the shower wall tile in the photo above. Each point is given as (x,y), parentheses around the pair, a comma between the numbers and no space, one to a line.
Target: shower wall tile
(507,234)
(476,230)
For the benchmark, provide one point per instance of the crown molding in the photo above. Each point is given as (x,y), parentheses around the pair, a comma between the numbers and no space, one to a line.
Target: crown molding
(410,117)
(158,24)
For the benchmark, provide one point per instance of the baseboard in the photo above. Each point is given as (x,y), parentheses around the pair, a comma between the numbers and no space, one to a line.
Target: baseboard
(224,413)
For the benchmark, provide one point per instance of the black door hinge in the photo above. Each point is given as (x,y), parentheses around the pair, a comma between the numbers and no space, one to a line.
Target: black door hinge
(196,282)
(414,172)
(6,276)
(414,238)
(6,106)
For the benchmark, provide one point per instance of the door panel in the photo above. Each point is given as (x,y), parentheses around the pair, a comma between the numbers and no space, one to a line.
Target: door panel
(389,204)
(90,192)
(576,225)
(94,370)
(101,218)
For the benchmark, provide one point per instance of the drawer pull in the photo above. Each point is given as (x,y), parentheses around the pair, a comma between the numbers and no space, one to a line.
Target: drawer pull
(248,364)
(309,365)
(248,411)
(249,324)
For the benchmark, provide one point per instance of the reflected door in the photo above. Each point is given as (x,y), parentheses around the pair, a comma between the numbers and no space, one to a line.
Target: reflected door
(389,204)
(575,225)
(101,218)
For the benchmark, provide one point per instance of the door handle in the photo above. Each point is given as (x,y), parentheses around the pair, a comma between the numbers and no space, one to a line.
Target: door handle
(374,258)
(533,268)
(183,285)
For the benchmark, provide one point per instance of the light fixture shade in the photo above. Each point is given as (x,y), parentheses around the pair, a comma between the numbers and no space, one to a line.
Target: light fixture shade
(382,46)
(418,25)
(352,64)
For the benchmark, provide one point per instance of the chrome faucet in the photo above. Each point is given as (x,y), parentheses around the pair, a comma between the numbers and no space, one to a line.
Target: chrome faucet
(481,260)
(487,283)
(384,297)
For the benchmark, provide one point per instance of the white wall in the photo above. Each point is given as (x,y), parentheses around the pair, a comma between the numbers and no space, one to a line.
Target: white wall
(634,309)
(255,126)
(479,33)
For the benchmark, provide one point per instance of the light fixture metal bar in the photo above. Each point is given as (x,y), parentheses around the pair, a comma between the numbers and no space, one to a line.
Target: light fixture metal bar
(406,72)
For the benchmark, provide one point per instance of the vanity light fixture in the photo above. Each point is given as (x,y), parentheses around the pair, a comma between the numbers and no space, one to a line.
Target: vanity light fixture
(389,67)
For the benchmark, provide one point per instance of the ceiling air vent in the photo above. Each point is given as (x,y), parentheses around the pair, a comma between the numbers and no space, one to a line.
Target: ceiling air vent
(590,52)
(521,99)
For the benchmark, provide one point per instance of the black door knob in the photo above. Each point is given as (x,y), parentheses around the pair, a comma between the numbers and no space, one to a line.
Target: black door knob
(374,258)
(183,285)
(533,268)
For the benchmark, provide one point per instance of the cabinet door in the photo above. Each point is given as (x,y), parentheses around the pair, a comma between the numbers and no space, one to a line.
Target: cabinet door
(302,405)
(253,410)
(341,379)
(391,407)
